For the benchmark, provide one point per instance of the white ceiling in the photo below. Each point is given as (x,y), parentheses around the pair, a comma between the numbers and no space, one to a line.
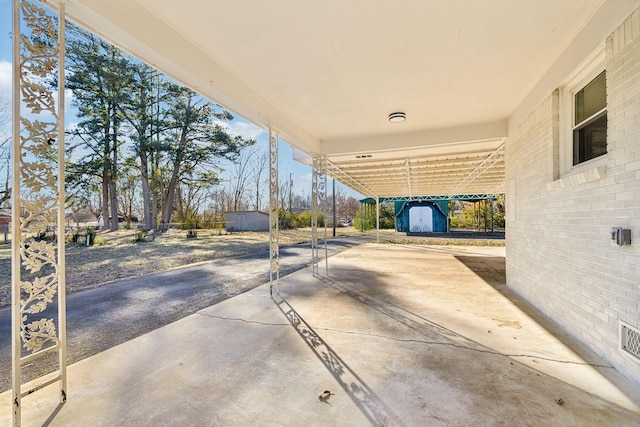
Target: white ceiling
(325,74)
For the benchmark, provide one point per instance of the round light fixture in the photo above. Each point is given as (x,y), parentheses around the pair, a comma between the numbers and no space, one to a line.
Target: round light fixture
(397,117)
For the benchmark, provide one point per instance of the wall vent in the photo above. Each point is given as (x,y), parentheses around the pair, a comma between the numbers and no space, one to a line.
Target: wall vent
(630,339)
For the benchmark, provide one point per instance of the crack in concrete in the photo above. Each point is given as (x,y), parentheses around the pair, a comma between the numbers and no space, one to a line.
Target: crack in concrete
(478,350)
(236,319)
(413,340)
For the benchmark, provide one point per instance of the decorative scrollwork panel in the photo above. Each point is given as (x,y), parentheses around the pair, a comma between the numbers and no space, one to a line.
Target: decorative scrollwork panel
(38,197)
(273,214)
(318,196)
(38,176)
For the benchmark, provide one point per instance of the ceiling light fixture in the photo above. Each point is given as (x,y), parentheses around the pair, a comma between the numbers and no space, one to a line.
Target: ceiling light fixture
(397,117)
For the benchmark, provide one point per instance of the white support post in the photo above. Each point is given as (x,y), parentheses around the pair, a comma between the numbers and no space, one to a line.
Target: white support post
(377,219)
(37,134)
(274,244)
(16,233)
(61,234)
(318,204)
(314,216)
(322,200)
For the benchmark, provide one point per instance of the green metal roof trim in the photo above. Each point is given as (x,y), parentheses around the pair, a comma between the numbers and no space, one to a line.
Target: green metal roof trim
(468,197)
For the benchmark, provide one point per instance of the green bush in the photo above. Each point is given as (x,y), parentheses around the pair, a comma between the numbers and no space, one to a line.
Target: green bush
(297,220)
(468,217)
(138,236)
(365,218)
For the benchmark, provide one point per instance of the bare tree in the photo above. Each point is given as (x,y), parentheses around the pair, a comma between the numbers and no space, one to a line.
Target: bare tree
(260,169)
(219,203)
(240,179)
(285,192)
(5,153)
(347,207)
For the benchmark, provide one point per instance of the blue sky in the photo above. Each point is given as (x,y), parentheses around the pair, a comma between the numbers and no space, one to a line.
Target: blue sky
(5,47)
(301,173)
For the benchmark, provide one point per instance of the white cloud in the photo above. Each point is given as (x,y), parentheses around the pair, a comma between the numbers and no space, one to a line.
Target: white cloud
(6,72)
(238,127)
(68,97)
(5,78)
(302,184)
(306,178)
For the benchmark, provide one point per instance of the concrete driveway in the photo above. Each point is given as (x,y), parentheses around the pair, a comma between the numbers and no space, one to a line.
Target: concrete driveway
(108,315)
(393,335)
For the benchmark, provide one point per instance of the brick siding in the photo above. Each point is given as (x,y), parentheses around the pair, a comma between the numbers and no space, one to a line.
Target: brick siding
(559,254)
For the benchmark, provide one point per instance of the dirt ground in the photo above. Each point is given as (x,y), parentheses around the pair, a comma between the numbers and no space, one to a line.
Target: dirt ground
(116,255)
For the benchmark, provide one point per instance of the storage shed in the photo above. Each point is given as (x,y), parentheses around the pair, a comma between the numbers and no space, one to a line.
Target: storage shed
(5,218)
(422,216)
(246,221)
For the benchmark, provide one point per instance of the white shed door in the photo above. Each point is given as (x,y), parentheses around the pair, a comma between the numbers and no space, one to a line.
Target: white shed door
(420,219)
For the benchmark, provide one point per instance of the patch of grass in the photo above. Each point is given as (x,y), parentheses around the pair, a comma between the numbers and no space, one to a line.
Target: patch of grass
(436,241)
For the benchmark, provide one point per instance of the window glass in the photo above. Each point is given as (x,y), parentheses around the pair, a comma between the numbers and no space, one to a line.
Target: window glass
(591,99)
(590,126)
(590,140)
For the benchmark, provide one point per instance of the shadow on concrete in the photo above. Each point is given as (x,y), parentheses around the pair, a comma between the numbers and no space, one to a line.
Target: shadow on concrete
(368,402)
(441,335)
(425,327)
(53,415)
(492,271)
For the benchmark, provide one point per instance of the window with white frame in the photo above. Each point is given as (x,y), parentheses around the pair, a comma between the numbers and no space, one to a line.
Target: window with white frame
(583,116)
(590,120)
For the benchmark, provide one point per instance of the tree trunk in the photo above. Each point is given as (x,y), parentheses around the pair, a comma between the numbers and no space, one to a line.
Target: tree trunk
(171,188)
(171,192)
(105,196)
(155,191)
(113,172)
(154,211)
(114,204)
(146,191)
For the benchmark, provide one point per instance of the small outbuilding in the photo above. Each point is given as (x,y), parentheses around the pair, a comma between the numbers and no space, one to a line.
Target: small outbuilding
(422,216)
(246,221)
(5,218)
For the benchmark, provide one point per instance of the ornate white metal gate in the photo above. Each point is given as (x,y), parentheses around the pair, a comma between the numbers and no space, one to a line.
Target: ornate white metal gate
(274,247)
(318,198)
(38,233)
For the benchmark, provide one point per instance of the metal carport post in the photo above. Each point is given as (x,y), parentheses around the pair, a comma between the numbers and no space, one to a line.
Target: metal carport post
(318,199)
(274,228)
(32,335)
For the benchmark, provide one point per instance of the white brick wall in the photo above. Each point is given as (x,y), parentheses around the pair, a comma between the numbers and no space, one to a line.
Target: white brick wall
(558,252)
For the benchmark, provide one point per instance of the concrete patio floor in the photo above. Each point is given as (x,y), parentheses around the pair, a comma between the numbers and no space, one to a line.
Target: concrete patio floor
(401,335)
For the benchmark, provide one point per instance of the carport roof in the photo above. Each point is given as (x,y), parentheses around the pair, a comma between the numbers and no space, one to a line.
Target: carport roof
(325,75)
